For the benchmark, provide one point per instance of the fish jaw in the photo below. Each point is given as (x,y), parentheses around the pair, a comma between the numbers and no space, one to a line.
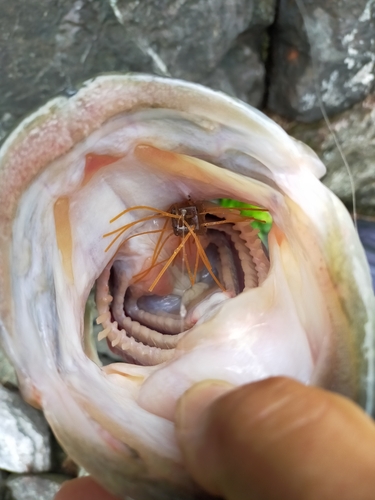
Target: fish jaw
(286,326)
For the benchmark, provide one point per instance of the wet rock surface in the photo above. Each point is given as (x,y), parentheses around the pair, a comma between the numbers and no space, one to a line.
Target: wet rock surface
(24,435)
(355,133)
(32,487)
(241,72)
(322,45)
(184,39)
(49,48)
(3,476)
(366,230)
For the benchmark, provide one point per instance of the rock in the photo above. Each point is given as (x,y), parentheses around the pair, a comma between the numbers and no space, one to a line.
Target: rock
(366,231)
(8,375)
(3,475)
(355,132)
(240,74)
(335,53)
(184,39)
(24,435)
(49,48)
(216,43)
(28,487)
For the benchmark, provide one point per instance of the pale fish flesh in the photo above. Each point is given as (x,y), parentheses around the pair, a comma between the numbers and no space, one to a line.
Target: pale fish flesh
(304,308)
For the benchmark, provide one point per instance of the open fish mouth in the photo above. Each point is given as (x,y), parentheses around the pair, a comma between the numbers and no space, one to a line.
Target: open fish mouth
(116,190)
(203,254)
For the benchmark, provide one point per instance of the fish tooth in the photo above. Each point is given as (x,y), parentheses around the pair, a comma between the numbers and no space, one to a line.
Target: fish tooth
(100,319)
(125,344)
(116,341)
(104,333)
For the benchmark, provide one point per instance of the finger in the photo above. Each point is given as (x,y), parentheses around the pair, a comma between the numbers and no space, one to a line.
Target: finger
(83,488)
(277,439)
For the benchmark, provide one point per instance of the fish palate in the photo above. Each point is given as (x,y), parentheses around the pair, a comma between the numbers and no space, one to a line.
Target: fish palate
(115,191)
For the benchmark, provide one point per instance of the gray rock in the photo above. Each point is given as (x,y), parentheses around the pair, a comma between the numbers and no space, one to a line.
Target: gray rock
(355,132)
(8,375)
(216,43)
(48,48)
(28,487)
(336,54)
(184,39)
(240,73)
(3,475)
(366,231)
(24,435)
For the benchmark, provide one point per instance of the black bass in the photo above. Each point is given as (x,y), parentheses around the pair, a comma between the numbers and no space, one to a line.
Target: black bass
(116,189)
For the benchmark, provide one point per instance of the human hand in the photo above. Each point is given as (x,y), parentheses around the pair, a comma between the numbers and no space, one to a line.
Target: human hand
(276,439)
(272,439)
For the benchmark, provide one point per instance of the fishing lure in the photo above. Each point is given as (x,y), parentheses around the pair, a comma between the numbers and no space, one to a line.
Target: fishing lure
(188,222)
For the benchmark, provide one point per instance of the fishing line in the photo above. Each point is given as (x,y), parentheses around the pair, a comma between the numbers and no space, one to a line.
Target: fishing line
(314,62)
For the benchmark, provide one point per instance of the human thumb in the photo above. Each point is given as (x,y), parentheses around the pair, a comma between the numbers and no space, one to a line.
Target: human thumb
(276,439)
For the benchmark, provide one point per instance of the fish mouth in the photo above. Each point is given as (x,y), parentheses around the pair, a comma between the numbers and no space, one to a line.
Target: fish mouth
(221,256)
(164,276)
(119,227)
(105,201)
(87,186)
(166,268)
(114,231)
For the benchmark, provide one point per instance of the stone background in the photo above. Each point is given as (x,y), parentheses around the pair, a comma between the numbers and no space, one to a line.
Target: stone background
(287,57)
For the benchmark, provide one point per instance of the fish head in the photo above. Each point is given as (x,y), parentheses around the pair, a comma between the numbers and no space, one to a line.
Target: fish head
(114,192)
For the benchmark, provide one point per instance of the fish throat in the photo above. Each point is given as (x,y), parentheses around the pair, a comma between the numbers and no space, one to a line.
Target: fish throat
(201,254)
